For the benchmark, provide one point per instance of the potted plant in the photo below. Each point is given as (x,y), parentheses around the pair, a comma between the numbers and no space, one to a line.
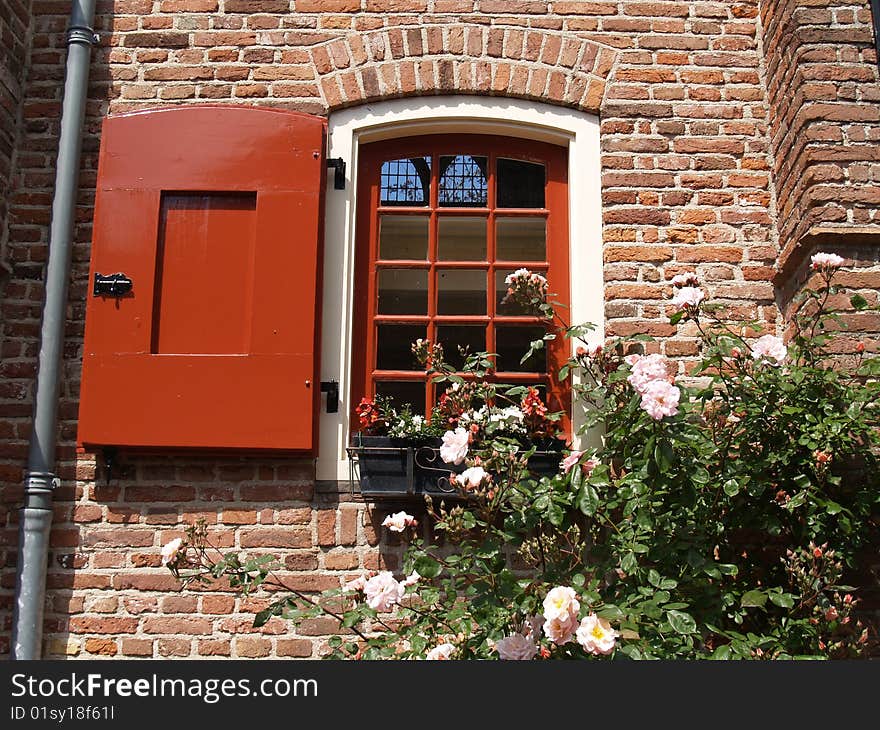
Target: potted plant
(398,454)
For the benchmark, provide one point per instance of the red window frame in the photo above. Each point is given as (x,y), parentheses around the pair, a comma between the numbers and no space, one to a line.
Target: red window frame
(367,262)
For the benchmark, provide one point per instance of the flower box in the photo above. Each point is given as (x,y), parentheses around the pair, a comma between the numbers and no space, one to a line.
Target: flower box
(394,468)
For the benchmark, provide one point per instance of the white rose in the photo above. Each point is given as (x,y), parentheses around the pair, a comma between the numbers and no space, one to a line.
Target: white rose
(472,478)
(441,652)
(383,592)
(455,446)
(596,635)
(561,603)
(399,521)
(170,551)
(770,347)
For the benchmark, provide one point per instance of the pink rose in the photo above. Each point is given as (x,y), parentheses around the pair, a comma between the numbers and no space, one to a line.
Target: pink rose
(357,584)
(646,369)
(516,647)
(560,631)
(383,592)
(570,460)
(659,399)
(771,348)
(688,297)
(825,261)
(682,280)
(596,635)
(455,446)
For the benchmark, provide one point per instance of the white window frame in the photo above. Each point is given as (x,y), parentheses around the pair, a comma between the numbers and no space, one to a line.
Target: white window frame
(350,128)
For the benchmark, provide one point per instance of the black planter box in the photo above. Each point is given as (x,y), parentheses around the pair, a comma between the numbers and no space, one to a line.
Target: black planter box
(393,468)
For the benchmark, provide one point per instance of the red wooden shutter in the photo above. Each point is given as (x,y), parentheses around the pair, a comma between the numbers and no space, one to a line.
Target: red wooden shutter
(215,214)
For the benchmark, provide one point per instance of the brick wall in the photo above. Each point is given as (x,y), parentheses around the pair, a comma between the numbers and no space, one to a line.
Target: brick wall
(822,83)
(686,183)
(15,21)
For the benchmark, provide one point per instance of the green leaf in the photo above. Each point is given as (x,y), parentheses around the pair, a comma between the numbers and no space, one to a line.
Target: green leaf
(555,514)
(588,501)
(783,600)
(263,616)
(858,301)
(427,567)
(676,318)
(681,622)
(753,599)
(664,455)
(731,487)
(350,618)
(832,508)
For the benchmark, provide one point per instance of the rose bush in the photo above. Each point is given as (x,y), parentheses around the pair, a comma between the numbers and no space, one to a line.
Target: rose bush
(724,515)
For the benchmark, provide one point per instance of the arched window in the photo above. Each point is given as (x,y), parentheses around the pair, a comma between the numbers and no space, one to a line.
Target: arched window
(442,221)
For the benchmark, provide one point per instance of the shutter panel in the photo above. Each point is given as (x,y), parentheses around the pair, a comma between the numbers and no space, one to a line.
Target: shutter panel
(215,214)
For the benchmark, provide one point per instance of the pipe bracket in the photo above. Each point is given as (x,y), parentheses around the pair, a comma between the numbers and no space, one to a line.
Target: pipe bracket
(82,34)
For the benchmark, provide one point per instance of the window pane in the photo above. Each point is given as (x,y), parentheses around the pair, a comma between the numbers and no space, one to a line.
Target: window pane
(511,343)
(463,181)
(462,239)
(404,392)
(520,184)
(453,336)
(403,237)
(521,239)
(506,309)
(403,291)
(394,346)
(461,291)
(406,181)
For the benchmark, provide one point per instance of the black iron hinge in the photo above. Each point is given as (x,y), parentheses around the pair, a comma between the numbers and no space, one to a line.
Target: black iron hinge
(338,165)
(331,388)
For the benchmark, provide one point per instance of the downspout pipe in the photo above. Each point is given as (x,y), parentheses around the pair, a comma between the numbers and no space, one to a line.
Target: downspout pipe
(35,517)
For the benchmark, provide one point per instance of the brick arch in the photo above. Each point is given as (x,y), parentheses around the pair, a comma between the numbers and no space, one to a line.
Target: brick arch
(537,64)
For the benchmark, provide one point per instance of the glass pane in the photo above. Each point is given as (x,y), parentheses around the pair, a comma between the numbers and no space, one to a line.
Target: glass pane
(511,343)
(463,181)
(462,239)
(394,346)
(406,181)
(520,184)
(521,239)
(403,291)
(403,237)
(453,336)
(404,392)
(461,291)
(506,309)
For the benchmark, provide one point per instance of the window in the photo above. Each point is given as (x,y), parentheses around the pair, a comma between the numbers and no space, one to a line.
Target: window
(442,220)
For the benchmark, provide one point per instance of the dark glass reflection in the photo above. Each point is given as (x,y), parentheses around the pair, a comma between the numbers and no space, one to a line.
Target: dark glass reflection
(394,346)
(512,343)
(454,336)
(520,184)
(404,392)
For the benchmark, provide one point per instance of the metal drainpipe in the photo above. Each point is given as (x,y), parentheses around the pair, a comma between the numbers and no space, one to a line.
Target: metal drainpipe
(35,519)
